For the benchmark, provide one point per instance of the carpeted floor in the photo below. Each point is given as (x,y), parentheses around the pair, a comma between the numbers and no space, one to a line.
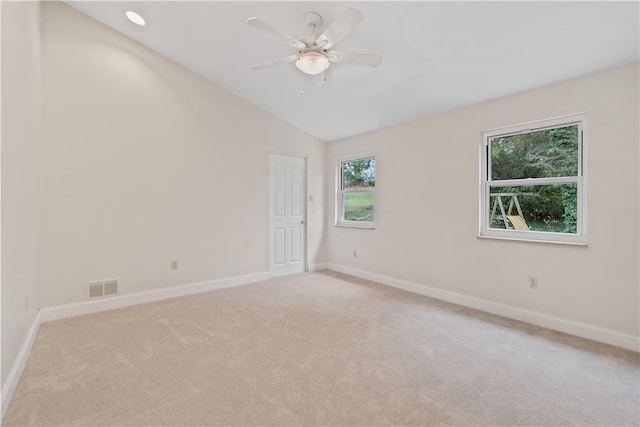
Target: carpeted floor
(318,349)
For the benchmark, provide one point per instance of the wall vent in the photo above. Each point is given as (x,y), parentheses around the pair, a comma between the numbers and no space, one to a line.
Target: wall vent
(102,288)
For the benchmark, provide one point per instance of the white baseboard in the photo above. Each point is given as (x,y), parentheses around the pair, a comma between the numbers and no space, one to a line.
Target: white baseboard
(11,382)
(318,267)
(568,326)
(134,298)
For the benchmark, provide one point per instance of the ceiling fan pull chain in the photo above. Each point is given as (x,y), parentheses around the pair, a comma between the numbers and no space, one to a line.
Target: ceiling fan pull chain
(301,86)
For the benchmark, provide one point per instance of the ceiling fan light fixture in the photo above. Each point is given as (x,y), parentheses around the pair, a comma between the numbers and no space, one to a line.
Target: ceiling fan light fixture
(312,63)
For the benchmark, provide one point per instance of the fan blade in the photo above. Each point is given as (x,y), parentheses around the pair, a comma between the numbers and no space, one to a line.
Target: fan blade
(273,62)
(261,25)
(365,59)
(339,28)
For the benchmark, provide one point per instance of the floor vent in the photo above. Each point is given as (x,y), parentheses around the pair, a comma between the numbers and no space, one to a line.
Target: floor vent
(102,288)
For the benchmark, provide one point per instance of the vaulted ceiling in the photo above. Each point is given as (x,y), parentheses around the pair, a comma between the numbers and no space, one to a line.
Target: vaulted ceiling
(438,56)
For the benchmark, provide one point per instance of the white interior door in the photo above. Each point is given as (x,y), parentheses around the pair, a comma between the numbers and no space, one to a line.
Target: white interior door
(287,222)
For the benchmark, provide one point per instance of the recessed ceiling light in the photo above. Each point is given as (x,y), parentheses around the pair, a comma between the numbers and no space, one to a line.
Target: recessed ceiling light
(135,18)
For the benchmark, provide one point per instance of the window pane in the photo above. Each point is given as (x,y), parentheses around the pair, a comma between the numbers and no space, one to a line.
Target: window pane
(541,154)
(549,208)
(359,173)
(358,206)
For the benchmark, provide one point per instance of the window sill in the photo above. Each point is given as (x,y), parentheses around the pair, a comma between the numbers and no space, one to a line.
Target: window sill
(552,242)
(348,224)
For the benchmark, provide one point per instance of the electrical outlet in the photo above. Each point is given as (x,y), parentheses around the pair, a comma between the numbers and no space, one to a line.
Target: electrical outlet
(533,282)
(174,264)
(355,254)
(26,303)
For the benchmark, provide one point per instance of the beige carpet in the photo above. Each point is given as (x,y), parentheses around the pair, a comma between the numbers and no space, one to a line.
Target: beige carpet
(318,349)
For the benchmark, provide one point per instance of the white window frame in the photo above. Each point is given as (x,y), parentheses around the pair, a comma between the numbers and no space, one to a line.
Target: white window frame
(339,214)
(486,183)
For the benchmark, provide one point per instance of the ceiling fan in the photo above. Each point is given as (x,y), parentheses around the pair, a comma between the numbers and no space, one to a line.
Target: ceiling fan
(315,53)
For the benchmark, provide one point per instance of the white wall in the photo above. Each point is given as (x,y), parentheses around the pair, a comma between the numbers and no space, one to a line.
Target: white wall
(427,208)
(145,162)
(21,139)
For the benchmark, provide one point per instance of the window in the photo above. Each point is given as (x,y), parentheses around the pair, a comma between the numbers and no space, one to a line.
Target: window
(356,191)
(532,181)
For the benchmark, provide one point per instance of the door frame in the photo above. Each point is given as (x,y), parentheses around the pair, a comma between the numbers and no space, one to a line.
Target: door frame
(305,206)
